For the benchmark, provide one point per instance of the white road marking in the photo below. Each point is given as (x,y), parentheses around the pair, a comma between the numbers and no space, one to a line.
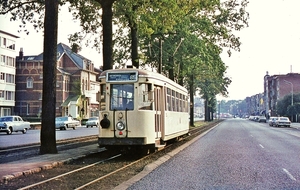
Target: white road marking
(289,174)
(261,146)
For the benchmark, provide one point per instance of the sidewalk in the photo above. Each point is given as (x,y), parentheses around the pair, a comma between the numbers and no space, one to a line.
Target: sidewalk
(43,162)
(295,125)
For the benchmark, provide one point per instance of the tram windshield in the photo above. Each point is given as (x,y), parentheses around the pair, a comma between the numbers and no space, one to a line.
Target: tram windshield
(122,96)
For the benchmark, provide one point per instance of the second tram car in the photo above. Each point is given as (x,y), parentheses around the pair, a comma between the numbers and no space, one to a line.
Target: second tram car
(141,109)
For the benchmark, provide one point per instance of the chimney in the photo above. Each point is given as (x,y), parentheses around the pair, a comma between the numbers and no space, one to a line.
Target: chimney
(21,54)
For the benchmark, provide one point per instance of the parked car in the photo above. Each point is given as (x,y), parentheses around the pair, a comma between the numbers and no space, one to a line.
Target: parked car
(93,121)
(11,124)
(272,121)
(283,121)
(63,123)
(262,119)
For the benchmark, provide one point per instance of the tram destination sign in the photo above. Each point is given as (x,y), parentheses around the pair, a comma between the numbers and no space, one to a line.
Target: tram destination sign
(122,76)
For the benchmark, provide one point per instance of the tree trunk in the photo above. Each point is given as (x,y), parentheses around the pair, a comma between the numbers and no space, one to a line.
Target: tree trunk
(48,138)
(134,41)
(107,14)
(192,101)
(171,68)
(206,110)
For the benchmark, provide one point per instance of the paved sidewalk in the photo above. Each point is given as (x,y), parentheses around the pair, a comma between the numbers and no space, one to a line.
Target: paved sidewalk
(43,162)
(295,125)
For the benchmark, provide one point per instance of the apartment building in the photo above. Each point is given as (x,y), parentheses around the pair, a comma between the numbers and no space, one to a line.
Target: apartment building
(7,72)
(278,86)
(76,85)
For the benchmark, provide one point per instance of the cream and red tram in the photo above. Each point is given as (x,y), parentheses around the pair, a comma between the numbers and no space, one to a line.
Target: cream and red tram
(139,108)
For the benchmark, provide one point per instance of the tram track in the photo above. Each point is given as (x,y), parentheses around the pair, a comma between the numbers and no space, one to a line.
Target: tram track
(15,153)
(105,174)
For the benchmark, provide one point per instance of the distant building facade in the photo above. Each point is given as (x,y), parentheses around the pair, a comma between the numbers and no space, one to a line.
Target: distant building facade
(76,85)
(255,104)
(278,86)
(7,72)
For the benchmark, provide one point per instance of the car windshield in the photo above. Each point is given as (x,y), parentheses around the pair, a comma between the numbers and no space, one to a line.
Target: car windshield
(61,119)
(2,119)
(93,118)
(284,119)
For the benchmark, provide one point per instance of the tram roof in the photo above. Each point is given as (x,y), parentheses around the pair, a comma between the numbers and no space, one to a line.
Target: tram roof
(144,73)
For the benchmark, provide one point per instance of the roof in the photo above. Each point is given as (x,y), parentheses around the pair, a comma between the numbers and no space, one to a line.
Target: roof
(69,99)
(62,70)
(61,50)
(9,34)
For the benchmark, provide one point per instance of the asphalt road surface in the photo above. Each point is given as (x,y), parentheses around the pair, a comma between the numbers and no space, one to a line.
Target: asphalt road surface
(237,154)
(33,136)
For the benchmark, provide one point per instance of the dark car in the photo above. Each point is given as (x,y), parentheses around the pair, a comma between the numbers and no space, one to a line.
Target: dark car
(272,121)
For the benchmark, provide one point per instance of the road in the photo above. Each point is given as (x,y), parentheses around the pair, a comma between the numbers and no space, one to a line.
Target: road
(33,136)
(237,154)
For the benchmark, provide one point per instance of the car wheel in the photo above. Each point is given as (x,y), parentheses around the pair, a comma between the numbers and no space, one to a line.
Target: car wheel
(24,131)
(87,126)
(9,132)
(74,128)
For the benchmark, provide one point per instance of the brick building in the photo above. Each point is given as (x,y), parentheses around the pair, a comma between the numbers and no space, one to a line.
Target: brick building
(76,84)
(278,86)
(7,72)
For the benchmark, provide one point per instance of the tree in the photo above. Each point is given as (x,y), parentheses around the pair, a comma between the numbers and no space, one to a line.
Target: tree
(48,139)
(284,107)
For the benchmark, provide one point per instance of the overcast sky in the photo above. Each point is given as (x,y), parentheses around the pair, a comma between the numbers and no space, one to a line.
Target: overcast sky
(270,43)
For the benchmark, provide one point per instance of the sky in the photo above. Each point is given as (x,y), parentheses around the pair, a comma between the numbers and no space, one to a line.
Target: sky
(270,44)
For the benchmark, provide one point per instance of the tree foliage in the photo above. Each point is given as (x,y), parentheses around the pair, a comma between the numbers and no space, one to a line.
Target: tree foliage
(285,108)
(182,38)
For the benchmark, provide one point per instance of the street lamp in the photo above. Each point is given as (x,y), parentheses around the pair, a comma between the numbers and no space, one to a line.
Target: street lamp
(292,90)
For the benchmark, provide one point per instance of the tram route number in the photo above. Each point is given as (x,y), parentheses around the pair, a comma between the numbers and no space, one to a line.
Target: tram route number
(113,77)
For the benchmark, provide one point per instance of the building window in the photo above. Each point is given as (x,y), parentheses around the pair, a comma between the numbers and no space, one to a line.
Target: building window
(10,78)
(1,94)
(2,59)
(10,61)
(1,76)
(10,95)
(29,82)
(5,111)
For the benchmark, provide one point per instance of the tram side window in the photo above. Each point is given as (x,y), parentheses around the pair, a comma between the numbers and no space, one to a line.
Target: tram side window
(177,101)
(168,106)
(102,98)
(180,103)
(184,103)
(173,101)
(145,96)
(122,97)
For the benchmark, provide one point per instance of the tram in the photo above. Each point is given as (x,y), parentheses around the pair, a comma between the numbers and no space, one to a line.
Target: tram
(140,109)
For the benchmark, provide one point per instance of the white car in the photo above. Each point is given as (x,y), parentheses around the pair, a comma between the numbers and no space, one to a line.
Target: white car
(283,121)
(93,121)
(63,123)
(11,124)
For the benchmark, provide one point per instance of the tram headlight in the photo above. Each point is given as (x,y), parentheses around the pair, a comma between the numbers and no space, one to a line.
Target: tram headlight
(120,126)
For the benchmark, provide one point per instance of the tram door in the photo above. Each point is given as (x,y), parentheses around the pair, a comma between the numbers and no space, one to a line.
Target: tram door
(159,107)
